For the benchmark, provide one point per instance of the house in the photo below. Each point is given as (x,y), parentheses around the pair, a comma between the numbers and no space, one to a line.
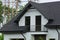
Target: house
(37,21)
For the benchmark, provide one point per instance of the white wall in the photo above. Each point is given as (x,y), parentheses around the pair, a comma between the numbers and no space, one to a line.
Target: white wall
(28,35)
(9,36)
(33,13)
(52,34)
(17,36)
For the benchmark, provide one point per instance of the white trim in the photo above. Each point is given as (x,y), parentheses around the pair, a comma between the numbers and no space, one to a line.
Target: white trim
(35,33)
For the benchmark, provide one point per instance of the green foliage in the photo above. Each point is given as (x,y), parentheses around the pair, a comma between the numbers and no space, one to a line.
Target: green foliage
(1,11)
(1,37)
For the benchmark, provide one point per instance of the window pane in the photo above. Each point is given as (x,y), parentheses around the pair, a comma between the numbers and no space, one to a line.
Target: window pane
(17,39)
(38,23)
(27,22)
(13,39)
(52,39)
(40,37)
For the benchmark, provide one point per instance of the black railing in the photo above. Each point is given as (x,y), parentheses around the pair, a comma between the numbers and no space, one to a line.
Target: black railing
(35,28)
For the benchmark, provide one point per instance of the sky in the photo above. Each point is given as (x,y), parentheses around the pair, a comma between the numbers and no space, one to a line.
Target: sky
(25,1)
(14,4)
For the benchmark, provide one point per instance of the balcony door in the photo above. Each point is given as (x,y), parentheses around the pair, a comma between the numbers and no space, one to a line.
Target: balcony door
(40,37)
(38,23)
(27,22)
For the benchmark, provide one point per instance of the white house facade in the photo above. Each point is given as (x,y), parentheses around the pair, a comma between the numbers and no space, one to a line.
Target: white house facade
(34,23)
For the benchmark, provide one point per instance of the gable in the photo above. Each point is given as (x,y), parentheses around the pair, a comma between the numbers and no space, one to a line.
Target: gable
(32,13)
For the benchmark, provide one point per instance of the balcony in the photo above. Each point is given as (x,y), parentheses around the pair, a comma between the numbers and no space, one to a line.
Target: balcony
(32,28)
(38,28)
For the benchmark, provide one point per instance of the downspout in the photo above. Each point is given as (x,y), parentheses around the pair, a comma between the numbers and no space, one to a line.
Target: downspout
(57,32)
(23,36)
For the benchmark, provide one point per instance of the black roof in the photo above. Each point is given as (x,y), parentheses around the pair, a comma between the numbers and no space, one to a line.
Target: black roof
(50,10)
(13,27)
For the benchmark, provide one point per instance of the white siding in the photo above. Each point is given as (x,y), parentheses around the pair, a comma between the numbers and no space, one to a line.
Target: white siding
(28,35)
(33,13)
(10,36)
(52,33)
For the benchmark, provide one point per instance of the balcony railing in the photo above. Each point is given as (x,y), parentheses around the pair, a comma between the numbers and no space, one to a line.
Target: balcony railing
(29,28)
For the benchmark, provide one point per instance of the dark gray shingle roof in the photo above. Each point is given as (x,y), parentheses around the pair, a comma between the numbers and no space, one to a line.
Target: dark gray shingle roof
(50,10)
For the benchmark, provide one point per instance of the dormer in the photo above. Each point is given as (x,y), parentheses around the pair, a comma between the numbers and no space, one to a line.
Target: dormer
(33,19)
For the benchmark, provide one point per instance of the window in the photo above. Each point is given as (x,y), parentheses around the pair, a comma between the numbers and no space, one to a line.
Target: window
(38,23)
(27,21)
(17,39)
(52,39)
(40,37)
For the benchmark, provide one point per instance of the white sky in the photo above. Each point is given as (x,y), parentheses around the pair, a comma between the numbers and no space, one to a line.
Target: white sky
(14,4)
(25,1)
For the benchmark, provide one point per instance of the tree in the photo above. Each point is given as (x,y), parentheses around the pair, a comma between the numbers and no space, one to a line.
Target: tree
(1,11)
(9,15)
